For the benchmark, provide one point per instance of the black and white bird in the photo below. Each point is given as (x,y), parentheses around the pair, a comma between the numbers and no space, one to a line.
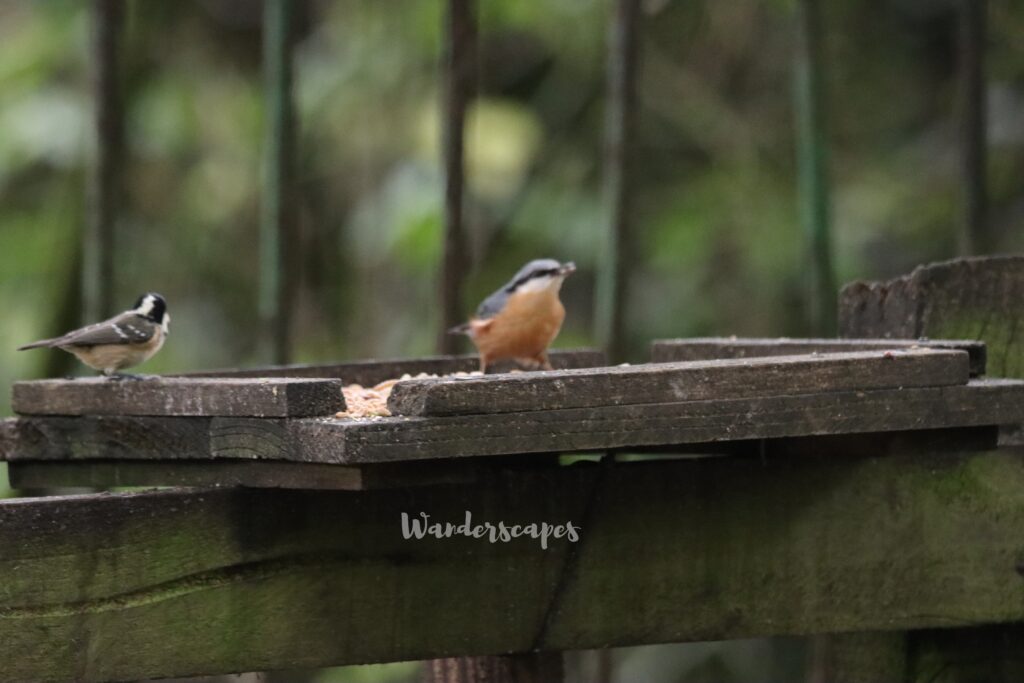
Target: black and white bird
(121,342)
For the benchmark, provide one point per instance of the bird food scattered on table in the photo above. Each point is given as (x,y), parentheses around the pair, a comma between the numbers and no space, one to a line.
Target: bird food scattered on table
(370,402)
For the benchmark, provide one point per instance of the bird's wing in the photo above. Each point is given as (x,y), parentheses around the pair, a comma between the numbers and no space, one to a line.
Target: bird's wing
(127,328)
(492,305)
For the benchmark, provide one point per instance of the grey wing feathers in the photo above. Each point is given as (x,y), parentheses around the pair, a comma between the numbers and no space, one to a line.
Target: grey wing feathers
(492,305)
(126,328)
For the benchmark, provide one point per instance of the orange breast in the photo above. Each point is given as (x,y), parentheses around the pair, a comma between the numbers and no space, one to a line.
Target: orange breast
(524,328)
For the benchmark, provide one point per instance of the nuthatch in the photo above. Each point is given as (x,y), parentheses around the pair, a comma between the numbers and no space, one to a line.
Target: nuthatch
(125,340)
(522,318)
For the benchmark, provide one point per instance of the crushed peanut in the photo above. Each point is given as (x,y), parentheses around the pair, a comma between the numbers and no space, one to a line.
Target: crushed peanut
(363,402)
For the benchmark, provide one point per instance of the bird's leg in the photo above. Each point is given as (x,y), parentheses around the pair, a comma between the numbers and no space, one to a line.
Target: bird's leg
(542,361)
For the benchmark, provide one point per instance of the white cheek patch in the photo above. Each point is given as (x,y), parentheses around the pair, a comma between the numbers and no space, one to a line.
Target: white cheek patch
(540,284)
(166,324)
(147,306)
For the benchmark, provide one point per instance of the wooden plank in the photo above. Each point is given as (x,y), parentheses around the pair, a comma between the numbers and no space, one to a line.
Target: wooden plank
(8,436)
(710,348)
(687,381)
(235,397)
(127,587)
(347,441)
(971,298)
(228,473)
(371,372)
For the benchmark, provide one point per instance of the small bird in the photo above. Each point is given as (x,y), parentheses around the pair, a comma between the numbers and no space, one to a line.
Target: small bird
(522,318)
(123,341)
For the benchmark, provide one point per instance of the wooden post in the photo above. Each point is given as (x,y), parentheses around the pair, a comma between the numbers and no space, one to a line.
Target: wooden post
(529,668)
(457,72)
(977,237)
(106,179)
(812,160)
(971,299)
(277,215)
(613,274)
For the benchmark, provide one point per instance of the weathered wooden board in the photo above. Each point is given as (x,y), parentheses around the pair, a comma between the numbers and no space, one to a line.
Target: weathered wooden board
(127,587)
(247,473)
(969,298)
(199,397)
(8,436)
(653,383)
(709,348)
(370,372)
(226,472)
(980,403)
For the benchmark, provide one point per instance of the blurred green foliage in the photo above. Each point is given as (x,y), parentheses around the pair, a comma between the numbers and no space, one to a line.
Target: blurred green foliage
(716,207)
(715,212)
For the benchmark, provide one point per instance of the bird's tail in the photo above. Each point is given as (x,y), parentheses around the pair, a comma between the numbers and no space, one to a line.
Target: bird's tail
(464,328)
(42,343)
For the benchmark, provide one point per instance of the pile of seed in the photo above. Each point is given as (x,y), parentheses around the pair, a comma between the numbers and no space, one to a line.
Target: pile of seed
(370,402)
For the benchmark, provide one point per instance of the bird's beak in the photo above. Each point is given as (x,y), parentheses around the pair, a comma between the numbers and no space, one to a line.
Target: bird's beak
(567,269)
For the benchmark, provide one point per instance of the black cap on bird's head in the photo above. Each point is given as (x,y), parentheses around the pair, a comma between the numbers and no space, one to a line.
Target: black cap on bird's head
(540,269)
(152,307)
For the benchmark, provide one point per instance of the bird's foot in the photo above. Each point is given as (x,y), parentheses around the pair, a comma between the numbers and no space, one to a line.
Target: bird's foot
(122,376)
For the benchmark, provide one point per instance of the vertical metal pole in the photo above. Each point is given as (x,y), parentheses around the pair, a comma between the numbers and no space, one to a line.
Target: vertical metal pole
(977,237)
(812,159)
(276,209)
(458,67)
(105,183)
(617,256)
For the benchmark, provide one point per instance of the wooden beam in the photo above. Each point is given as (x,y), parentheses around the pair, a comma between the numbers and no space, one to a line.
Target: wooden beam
(247,473)
(672,382)
(167,396)
(709,348)
(401,438)
(8,437)
(371,372)
(125,587)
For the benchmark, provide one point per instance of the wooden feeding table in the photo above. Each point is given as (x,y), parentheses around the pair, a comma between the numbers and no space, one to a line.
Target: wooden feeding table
(281,432)
(854,488)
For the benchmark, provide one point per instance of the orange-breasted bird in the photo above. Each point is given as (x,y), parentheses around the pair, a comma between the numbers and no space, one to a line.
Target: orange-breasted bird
(127,339)
(520,320)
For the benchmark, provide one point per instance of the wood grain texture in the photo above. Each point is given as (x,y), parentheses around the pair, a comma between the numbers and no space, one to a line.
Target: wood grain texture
(190,397)
(371,372)
(393,439)
(655,383)
(231,473)
(8,436)
(710,348)
(127,587)
(969,298)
